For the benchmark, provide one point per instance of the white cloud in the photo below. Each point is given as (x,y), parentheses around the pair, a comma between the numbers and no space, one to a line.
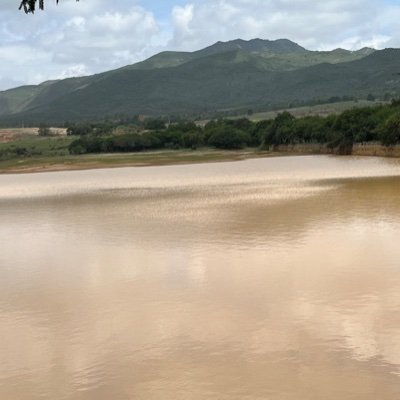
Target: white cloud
(315,24)
(104,40)
(74,70)
(182,18)
(358,42)
(75,39)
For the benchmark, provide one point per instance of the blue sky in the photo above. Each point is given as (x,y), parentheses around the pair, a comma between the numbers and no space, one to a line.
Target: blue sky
(91,36)
(162,8)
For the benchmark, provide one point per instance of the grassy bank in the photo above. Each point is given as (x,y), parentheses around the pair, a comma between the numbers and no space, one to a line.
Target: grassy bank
(174,157)
(93,161)
(32,153)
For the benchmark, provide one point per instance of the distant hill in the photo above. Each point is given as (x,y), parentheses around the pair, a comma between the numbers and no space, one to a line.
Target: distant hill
(226,75)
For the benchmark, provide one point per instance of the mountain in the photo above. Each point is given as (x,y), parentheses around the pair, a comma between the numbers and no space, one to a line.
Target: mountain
(255,46)
(280,46)
(281,54)
(231,75)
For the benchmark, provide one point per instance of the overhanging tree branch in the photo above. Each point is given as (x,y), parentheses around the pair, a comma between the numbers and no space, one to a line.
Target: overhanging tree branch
(29,6)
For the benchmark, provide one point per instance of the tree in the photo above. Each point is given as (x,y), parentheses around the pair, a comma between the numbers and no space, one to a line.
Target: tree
(29,6)
(391,131)
(228,138)
(44,131)
(279,132)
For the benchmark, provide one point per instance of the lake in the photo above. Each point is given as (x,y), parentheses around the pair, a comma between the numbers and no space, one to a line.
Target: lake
(275,278)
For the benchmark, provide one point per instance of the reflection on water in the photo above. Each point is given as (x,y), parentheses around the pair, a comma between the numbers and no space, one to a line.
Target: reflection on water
(263,279)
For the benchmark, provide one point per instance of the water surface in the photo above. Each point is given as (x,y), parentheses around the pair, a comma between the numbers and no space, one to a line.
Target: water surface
(263,279)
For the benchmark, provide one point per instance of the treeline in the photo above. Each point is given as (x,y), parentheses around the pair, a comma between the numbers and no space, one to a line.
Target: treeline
(362,125)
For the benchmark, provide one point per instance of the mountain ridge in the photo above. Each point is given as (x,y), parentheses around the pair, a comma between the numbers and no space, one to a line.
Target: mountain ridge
(226,75)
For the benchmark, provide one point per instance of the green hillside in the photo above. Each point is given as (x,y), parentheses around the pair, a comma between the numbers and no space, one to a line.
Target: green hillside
(232,75)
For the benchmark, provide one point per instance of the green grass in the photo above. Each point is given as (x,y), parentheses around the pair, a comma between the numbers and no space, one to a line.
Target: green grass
(33,146)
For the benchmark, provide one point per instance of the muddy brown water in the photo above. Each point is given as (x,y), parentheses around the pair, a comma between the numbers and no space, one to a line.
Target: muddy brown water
(262,279)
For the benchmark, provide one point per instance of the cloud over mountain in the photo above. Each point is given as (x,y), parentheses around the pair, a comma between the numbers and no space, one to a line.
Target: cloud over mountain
(93,36)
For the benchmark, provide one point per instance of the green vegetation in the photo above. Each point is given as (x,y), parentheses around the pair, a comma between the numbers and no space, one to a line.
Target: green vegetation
(227,137)
(322,110)
(34,146)
(390,134)
(95,129)
(86,144)
(222,80)
(337,132)
(279,55)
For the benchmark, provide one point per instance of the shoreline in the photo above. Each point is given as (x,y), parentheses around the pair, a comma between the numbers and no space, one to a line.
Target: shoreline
(177,157)
(358,149)
(126,160)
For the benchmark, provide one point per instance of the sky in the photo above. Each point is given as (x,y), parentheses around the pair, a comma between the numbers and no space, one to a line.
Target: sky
(75,39)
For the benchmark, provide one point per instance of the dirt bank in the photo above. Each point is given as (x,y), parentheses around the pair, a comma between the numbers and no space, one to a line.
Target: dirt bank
(369,149)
